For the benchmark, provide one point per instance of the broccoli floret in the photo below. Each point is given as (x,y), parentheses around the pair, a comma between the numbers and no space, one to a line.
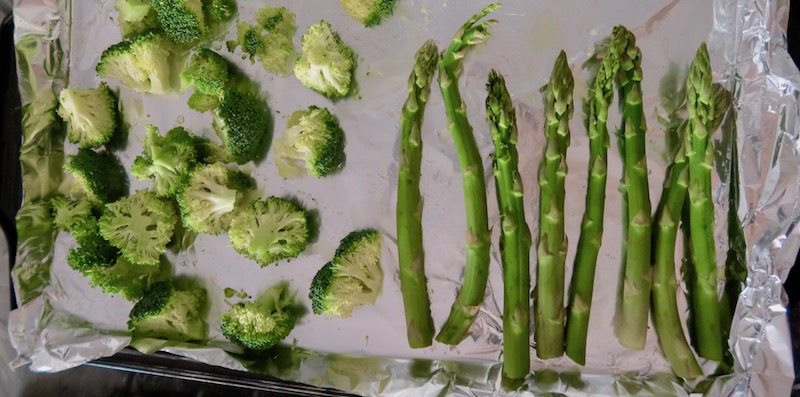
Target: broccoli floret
(269,40)
(168,313)
(312,139)
(251,40)
(210,152)
(168,160)
(369,12)
(354,276)
(140,226)
(210,198)
(326,64)
(202,102)
(207,72)
(220,10)
(183,21)
(269,231)
(99,176)
(263,323)
(135,17)
(242,121)
(93,253)
(127,279)
(146,63)
(69,214)
(90,114)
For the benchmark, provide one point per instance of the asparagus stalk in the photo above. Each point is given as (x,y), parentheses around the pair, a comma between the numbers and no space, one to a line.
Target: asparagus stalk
(469,299)
(413,284)
(701,207)
(632,330)
(601,94)
(549,309)
(515,241)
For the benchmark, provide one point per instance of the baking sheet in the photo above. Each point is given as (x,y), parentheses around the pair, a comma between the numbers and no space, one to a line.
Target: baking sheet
(64,322)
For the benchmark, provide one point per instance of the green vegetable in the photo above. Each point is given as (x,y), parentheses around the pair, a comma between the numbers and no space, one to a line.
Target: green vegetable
(207,72)
(146,63)
(413,285)
(70,215)
(269,39)
(140,226)
(93,252)
(98,176)
(183,21)
(353,278)
(476,273)
(515,240)
(90,114)
(135,17)
(632,326)
(313,142)
(202,102)
(263,323)
(369,12)
(551,251)
(220,10)
(127,279)
(269,231)
(166,312)
(242,121)
(166,159)
(210,198)
(326,63)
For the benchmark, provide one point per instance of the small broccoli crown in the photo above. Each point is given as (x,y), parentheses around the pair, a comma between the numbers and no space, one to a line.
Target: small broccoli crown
(93,253)
(91,115)
(168,313)
(207,72)
(209,199)
(135,17)
(140,226)
(69,214)
(242,121)
(98,175)
(221,10)
(127,279)
(250,39)
(269,231)
(369,12)
(326,64)
(143,64)
(354,277)
(263,323)
(312,139)
(168,160)
(183,21)
(202,102)
(269,40)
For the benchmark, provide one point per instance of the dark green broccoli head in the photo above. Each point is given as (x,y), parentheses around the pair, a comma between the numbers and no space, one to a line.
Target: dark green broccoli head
(135,17)
(140,226)
(99,176)
(168,160)
(144,64)
(220,10)
(354,277)
(326,64)
(208,202)
(313,140)
(93,253)
(127,279)
(168,313)
(207,72)
(90,114)
(263,323)
(369,12)
(242,120)
(69,214)
(269,231)
(182,20)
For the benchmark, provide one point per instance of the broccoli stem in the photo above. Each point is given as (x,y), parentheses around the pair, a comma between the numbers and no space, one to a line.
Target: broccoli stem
(515,241)
(632,330)
(549,310)
(413,284)
(476,274)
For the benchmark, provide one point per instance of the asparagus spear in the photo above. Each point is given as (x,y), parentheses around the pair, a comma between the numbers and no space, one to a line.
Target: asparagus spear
(515,242)
(549,309)
(701,207)
(476,273)
(413,285)
(637,272)
(600,96)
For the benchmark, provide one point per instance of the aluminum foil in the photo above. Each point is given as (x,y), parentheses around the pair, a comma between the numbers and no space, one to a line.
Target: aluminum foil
(62,322)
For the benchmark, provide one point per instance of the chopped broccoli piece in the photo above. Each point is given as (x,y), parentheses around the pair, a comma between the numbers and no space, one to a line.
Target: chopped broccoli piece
(183,21)
(207,72)
(93,253)
(166,312)
(220,10)
(202,102)
(90,114)
(168,160)
(127,279)
(140,226)
(269,40)
(99,176)
(369,12)
(210,198)
(269,231)
(242,120)
(312,139)
(249,37)
(69,214)
(146,63)
(135,17)
(326,64)
(354,277)
(263,323)
(210,152)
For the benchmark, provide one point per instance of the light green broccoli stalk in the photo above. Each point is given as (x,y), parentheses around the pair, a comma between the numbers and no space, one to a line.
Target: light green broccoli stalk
(211,196)
(313,142)
(269,231)
(326,64)
(98,176)
(369,12)
(166,312)
(263,323)
(90,114)
(167,160)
